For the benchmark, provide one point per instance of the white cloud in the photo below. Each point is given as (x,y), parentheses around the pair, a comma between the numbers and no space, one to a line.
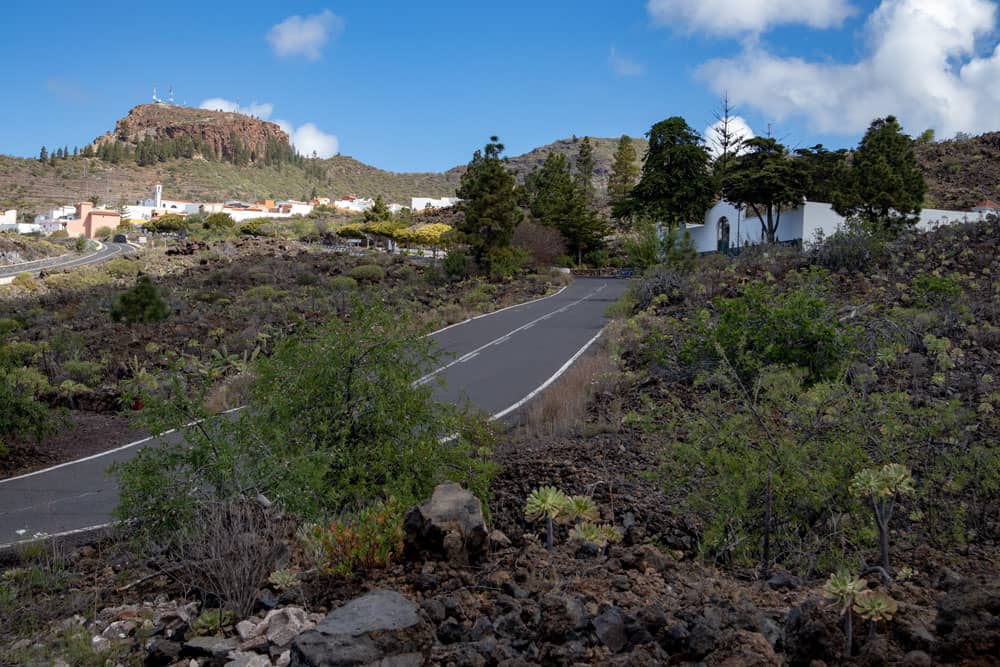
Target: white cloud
(922,65)
(263,110)
(306,138)
(305,35)
(738,128)
(309,139)
(623,65)
(730,17)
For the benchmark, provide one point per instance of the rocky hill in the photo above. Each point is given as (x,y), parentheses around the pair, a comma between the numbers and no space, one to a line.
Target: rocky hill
(961,173)
(222,134)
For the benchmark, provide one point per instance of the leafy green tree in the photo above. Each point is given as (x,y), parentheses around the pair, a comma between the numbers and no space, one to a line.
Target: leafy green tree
(885,186)
(585,170)
(140,305)
(824,172)
(219,222)
(22,411)
(765,180)
(379,211)
(624,174)
(558,200)
(490,207)
(337,423)
(676,185)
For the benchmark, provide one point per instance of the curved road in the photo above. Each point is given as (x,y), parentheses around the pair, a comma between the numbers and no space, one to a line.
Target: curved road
(495,361)
(108,251)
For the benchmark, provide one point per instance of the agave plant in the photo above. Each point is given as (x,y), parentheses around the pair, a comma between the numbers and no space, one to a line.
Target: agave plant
(882,486)
(600,534)
(580,508)
(284,578)
(843,588)
(546,502)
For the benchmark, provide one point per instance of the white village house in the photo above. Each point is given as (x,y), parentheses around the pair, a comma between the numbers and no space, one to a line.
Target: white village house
(727,227)
(423,203)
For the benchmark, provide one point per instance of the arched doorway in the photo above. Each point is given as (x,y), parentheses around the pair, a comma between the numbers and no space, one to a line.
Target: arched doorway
(723,234)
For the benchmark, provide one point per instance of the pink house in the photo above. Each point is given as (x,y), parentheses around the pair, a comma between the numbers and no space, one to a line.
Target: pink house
(89,219)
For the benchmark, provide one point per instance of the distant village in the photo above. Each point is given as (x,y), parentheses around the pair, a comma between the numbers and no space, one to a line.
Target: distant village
(84,219)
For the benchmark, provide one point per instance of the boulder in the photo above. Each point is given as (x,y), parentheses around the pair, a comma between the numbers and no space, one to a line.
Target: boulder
(609,626)
(245,659)
(281,626)
(450,524)
(382,627)
(215,647)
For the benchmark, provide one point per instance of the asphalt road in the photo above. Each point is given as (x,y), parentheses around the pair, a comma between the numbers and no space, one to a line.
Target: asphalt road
(66,261)
(494,361)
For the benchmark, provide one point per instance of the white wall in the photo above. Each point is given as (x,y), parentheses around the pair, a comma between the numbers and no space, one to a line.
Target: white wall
(420,203)
(8,217)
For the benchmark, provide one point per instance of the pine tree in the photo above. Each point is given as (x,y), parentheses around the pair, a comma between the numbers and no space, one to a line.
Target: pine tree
(558,200)
(884,187)
(65,152)
(489,202)
(585,170)
(76,151)
(624,174)
(727,139)
(43,155)
(378,212)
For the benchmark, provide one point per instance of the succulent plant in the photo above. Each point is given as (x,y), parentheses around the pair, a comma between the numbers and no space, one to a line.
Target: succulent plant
(875,606)
(284,578)
(580,508)
(843,588)
(211,621)
(600,534)
(882,486)
(546,502)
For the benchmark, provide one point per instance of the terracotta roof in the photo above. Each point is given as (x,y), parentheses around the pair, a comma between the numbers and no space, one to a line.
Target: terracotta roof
(987,203)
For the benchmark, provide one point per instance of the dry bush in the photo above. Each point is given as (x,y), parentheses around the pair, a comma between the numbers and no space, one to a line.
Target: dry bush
(544,244)
(232,392)
(562,408)
(229,552)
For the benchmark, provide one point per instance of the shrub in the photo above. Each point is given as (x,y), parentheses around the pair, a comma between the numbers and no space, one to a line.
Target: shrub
(343,283)
(457,265)
(25,281)
(167,224)
(505,263)
(59,234)
(368,273)
(644,248)
(219,222)
(851,249)
(140,305)
(80,244)
(762,326)
(21,411)
(84,372)
(543,244)
(369,539)
(103,233)
(120,267)
(934,291)
(661,284)
(338,422)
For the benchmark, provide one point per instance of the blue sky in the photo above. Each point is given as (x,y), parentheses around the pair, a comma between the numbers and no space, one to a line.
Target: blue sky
(418,86)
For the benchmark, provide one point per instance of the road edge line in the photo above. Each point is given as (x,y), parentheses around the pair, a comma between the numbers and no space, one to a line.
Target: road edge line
(545,385)
(494,312)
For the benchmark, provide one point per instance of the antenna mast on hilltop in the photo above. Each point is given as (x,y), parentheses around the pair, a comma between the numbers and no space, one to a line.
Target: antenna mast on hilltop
(170,98)
(155,98)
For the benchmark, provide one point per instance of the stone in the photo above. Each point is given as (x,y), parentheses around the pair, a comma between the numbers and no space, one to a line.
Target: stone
(917,659)
(247,630)
(434,609)
(162,652)
(784,581)
(562,615)
(947,579)
(450,524)
(215,647)
(244,659)
(651,558)
(450,632)
(267,599)
(587,550)
(382,627)
(742,648)
(499,539)
(609,626)
(813,630)
(281,626)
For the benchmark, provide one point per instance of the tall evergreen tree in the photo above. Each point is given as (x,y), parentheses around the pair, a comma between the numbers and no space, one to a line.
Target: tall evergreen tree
(884,187)
(767,181)
(624,172)
(378,212)
(676,184)
(43,155)
(585,170)
(489,202)
(726,138)
(65,152)
(76,151)
(825,171)
(558,200)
